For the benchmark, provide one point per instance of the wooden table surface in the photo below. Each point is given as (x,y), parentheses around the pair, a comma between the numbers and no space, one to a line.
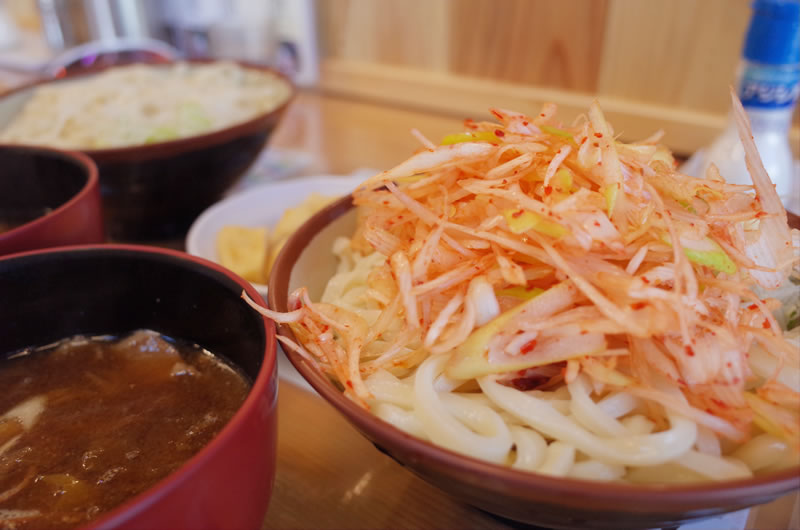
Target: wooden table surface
(331,477)
(328,475)
(343,135)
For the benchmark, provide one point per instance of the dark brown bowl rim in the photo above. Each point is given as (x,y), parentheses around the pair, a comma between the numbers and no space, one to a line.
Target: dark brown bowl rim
(80,159)
(141,152)
(260,384)
(601,496)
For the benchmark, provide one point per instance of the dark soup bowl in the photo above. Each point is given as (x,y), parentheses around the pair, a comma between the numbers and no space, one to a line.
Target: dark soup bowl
(307,260)
(154,190)
(102,292)
(48,198)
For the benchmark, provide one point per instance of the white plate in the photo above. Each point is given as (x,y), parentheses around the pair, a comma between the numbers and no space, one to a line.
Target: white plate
(261,205)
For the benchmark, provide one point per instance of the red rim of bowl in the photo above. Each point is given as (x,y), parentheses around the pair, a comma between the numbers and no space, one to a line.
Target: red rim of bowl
(268,366)
(178,145)
(79,159)
(642,498)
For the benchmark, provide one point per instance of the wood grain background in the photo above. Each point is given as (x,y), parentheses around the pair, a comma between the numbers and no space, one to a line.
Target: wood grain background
(660,63)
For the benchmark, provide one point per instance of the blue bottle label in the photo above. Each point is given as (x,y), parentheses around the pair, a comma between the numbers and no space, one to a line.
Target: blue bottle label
(769,87)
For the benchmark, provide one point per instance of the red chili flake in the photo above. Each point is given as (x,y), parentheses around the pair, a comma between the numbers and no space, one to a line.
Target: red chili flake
(385,203)
(598,135)
(498,132)
(638,305)
(600,163)
(528,346)
(542,115)
(350,384)
(399,217)
(497,115)
(760,214)
(752,307)
(596,223)
(584,332)
(719,403)
(645,280)
(689,351)
(583,140)
(470,123)
(548,190)
(765,324)
(525,123)
(517,213)
(505,181)
(595,144)
(729,364)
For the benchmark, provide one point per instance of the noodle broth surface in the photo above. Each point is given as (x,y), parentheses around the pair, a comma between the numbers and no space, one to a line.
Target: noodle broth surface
(91,422)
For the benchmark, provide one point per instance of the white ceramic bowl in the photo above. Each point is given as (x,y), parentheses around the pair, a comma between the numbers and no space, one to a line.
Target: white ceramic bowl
(260,206)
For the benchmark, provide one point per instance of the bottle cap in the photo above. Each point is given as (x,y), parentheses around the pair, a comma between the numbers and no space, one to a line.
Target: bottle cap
(774,33)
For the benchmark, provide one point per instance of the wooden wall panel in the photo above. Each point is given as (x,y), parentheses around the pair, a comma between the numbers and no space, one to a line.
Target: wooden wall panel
(678,53)
(400,33)
(670,52)
(538,42)
(652,63)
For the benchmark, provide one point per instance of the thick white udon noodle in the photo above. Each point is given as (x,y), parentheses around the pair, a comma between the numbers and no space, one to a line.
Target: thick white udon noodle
(567,432)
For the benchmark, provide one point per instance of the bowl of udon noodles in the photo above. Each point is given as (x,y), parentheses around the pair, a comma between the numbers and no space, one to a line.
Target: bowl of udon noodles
(168,139)
(555,326)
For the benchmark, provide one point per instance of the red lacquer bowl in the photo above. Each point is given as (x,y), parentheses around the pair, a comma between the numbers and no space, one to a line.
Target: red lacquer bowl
(48,198)
(114,289)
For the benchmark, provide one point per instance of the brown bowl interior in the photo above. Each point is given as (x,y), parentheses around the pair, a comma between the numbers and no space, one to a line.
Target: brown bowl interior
(155,191)
(306,259)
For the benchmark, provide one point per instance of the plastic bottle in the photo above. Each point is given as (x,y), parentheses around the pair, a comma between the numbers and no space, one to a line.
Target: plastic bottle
(768,83)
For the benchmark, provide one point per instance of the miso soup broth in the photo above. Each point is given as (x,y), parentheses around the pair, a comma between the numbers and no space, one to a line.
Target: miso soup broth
(90,422)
